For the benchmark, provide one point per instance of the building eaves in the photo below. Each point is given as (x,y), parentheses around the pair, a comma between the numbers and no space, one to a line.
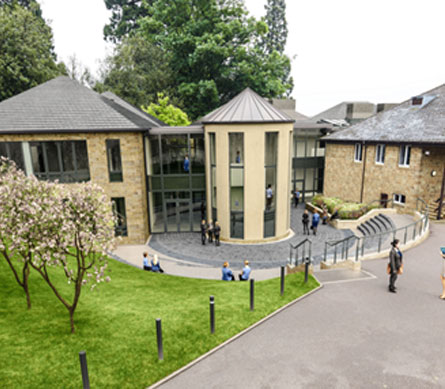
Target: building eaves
(404,123)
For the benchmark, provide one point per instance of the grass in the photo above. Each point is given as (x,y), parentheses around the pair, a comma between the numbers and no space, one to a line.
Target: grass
(115,325)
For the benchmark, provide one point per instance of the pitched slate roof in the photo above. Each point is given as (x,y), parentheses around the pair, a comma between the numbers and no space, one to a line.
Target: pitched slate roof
(63,105)
(246,107)
(404,123)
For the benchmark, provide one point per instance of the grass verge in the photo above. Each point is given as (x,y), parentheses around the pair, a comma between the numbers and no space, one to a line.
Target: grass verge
(115,325)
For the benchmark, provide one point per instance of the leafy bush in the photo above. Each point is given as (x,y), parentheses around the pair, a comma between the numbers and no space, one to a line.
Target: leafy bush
(346,210)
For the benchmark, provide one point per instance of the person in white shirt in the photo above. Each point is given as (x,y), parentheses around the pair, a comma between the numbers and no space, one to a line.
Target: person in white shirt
(269,196)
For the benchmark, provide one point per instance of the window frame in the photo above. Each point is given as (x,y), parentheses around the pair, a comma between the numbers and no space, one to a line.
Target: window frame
(380,154)
(406,156)
(120,230)
(399,199)
(358,149)
(114,175)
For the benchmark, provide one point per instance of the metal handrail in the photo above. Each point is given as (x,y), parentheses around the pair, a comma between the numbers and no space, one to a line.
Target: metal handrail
(296,247)
(418,226)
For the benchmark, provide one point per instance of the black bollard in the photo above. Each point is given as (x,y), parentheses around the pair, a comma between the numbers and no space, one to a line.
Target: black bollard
(282,280)
(252,294)
(84,369)
(306,269)
(159,337)
(212,314)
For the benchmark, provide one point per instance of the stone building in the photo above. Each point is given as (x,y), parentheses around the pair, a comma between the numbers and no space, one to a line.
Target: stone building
(63,131)
(397,154)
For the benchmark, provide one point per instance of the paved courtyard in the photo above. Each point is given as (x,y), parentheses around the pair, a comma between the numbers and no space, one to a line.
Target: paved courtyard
(351,334)
(188,247)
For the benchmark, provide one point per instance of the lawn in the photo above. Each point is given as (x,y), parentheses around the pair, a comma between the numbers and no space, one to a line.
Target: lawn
(115,325)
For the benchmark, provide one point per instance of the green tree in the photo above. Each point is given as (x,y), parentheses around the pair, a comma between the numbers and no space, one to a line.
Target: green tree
(124,18)
(166,112)
(136,72)
(276,36)
(27,55)
(31,5)
(215,51)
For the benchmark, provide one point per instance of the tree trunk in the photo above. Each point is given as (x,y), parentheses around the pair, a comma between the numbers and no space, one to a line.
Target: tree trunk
(25,284)
(71,311)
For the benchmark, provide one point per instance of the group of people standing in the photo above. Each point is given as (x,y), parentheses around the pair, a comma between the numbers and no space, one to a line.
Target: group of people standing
(314,223)
(227,273)
(210,232)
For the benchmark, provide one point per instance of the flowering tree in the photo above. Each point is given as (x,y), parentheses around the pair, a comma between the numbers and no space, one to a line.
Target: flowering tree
(18,216)
(76,237)
(48,226)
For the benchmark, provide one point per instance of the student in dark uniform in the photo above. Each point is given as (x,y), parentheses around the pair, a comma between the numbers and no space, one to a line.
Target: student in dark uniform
(305,220)
(395,265)
(210,231)
(203,231)
(296,197)
(217,232)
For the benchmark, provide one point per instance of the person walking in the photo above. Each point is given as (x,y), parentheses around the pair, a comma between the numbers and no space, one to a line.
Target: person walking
(297,195)
(217,232)
(227,274)
(269,196)
(245,273)
(305,220)
(145,263)
(186,164)
(395,265)
(203,231)
(442,275)
(210,231)
(315,221)
(203,210)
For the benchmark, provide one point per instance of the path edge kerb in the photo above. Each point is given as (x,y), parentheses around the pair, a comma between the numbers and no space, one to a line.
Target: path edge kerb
(233,338)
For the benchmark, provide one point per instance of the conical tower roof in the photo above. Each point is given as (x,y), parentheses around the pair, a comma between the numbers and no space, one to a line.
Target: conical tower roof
(246,107)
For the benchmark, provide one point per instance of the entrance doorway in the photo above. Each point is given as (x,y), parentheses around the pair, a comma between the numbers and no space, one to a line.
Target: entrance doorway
(178,215)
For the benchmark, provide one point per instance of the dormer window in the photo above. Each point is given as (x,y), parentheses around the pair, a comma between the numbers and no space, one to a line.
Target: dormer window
(417,100)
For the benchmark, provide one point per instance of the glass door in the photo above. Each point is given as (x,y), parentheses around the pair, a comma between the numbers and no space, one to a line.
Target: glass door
(183,214)
(178,215)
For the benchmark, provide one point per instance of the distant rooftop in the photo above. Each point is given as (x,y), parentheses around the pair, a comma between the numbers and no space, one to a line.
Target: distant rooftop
(418,120)
(246,107)
(63,105)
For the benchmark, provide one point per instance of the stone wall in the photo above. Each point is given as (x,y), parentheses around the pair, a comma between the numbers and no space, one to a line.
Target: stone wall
(343,176)
(132,188)
(430,190)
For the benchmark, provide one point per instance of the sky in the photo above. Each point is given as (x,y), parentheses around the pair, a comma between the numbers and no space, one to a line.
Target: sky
(382,51)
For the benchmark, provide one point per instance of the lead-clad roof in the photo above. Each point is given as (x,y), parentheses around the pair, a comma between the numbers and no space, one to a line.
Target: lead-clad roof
(246,107)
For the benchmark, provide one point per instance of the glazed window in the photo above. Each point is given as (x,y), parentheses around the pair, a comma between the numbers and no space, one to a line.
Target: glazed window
(399,199)
(380,154)
(114,160)
(405,156)
(358,152)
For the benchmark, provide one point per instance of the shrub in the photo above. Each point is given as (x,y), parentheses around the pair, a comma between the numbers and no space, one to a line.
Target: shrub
(346,209)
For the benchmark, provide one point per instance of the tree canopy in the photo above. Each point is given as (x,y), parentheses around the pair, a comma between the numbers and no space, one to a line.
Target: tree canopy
(31,5)
(276,36)
(215,52)
(137,71)
(124,18)
(168,113)
(27,55)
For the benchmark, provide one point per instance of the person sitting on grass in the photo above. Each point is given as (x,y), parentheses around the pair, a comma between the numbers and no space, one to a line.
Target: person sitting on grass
(155,265)
(145,262)
(227,274)
(245,273)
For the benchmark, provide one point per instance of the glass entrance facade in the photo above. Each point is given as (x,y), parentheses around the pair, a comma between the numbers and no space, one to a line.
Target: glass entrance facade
(307,163)
(176,182)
